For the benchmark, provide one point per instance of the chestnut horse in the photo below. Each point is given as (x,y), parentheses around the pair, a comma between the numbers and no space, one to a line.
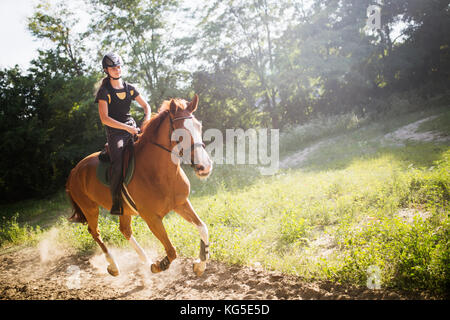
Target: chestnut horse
(158,186)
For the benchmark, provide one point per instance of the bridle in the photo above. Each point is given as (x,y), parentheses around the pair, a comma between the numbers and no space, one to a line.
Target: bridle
(180,153)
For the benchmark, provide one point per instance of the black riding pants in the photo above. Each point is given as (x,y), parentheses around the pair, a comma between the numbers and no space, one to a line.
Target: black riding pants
(117,140)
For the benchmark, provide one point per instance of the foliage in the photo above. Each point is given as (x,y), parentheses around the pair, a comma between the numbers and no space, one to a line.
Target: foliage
(411,256)
(310,68)
(260,63)
(12,233)
(49,124)
(137,30)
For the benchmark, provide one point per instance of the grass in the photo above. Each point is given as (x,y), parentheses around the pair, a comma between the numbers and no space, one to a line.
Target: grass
(336,218)
(37,212)
(13,233)
(441,124)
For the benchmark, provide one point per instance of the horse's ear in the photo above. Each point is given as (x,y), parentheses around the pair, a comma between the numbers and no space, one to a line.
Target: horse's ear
(173,107)
(192,106)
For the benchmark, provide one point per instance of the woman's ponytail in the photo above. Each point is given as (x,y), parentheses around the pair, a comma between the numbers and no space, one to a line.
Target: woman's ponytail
(100,84)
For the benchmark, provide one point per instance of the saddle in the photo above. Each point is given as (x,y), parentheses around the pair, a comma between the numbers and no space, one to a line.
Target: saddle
(104,165)
(104,170)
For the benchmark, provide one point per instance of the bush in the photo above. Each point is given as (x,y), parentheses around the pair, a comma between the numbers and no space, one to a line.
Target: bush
(11,233)
(292,227)
(410,256)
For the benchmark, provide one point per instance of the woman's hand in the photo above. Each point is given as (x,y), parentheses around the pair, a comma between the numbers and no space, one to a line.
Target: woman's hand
(133,130)
(110,122)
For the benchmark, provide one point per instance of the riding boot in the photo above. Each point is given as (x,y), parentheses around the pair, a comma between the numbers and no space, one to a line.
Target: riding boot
(117,140)
(117,208)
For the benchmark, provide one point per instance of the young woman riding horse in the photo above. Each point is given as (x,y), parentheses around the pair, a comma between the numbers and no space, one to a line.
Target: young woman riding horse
(114,99)
(158,186)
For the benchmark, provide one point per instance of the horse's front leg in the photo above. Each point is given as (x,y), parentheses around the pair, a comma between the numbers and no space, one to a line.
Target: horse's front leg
(187,212)
(157,227)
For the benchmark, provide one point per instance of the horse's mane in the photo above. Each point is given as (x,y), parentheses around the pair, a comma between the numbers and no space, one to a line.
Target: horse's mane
(150,127)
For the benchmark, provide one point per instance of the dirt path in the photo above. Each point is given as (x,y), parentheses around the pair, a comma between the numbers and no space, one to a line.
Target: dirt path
(409,132)
(60,274)
(397,138)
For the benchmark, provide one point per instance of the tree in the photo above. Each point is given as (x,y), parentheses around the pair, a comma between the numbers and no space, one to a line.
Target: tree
(47,114)
(137,30)
(48,125)
(245,31)
(226,101)
(56,24)
(423,56)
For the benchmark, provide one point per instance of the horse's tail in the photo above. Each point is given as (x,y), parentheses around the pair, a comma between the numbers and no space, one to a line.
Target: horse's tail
(78,215)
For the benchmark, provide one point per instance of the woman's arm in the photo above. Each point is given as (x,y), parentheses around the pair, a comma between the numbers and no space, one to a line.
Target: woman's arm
(145,106)
(110,122)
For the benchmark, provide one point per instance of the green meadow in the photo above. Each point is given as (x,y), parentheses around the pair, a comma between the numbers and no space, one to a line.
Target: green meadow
(359,201)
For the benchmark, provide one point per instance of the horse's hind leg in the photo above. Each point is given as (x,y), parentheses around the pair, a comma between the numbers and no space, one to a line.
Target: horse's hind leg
(125,228)
(187,212)
(157,227)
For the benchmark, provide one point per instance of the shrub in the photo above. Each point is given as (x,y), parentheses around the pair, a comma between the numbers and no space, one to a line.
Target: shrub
(11,233)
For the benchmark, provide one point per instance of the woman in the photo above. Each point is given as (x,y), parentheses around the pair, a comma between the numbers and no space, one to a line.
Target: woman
(114,99)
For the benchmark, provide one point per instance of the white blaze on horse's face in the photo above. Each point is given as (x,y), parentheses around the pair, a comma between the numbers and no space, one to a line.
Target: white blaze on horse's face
(202,162)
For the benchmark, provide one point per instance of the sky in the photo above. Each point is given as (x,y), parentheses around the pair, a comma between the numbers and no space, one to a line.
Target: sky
(18,45)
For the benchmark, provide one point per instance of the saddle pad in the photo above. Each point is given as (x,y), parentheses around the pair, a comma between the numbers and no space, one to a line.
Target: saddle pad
(103,172)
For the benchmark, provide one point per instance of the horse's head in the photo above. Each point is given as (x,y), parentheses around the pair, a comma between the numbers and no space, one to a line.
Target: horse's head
(181,117)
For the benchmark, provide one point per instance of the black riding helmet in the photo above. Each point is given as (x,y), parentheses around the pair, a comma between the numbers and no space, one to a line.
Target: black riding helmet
(111,59)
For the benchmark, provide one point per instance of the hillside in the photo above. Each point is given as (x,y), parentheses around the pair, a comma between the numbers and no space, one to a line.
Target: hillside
(374,195)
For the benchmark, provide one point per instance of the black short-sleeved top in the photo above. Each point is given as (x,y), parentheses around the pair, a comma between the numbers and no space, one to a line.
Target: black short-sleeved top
(118,100)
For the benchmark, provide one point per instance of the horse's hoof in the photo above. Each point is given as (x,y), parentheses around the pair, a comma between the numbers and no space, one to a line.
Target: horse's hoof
(155,269)
(162,265)
(113,271)
(199,267)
